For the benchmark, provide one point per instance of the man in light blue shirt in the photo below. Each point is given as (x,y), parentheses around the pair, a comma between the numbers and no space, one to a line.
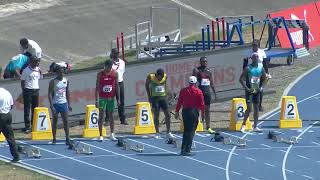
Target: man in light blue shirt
(15,66)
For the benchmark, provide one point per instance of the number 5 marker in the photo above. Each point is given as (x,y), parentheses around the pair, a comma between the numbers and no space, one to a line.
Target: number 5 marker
(144,119)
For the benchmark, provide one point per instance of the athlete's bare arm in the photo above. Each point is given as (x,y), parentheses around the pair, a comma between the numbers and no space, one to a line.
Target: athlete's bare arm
(212,86)
(50,93)
(242,79)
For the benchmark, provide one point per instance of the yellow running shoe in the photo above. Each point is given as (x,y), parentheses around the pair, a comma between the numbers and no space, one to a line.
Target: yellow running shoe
(211,131)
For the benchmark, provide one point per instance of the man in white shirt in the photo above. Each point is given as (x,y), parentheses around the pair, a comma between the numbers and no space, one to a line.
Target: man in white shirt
(262,61)
(30,46)
(6,103)
(119,66)
(30,89)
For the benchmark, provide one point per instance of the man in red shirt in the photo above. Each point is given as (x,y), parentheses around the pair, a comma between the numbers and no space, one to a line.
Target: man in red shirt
(192,100)
(106,90)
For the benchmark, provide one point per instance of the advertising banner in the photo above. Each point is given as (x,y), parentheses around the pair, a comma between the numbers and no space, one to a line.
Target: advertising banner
(309,13)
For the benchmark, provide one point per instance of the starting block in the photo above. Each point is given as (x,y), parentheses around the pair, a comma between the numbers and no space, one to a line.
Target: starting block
(126,145)
(177,144)
(29,151)
(234,141)
(80,148)
(275,136)
(228,140)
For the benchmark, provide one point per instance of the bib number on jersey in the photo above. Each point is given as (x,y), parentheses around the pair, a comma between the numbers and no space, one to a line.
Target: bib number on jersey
(255,83)
(205,82)
(159,89)
(61,93)
(107,88)
(255,80)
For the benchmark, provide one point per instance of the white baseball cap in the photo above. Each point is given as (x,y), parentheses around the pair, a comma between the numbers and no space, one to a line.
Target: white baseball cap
(192,79)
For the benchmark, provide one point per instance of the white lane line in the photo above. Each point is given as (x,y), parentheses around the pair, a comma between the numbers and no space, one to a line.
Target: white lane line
(237,173)
(288,150)
(251,159)
(309,177)
(303,157)
(280,147)
(207,150)
(231,153)
(266,145)
(193,9)
(144,162)
(200,135)
(207,145)
(286,91)
(37,169)
(193,159)
(271,165)
(315,143)
(290,171)
(92,156)
(283,151)
(83,162)
(253,178)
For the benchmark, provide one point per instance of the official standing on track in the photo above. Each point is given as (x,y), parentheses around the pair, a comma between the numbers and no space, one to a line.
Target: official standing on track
(205,83)
(157,90)
(59,100)
(250,79)
(30,88)
(6,104)
(119,66)
(191,99)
